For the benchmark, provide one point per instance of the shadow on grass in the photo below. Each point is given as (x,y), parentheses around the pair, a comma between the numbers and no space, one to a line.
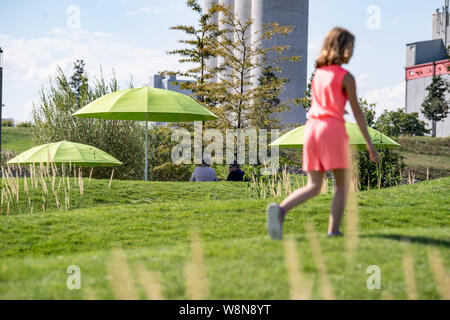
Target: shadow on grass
(412,239)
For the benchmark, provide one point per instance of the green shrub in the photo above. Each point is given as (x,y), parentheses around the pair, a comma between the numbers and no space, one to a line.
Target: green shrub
(172,172)
(53,121)
(6,156)
(398,123)
(160,147)
(387,172)
(24,125)
(384,174)
(8,123)
(222,171)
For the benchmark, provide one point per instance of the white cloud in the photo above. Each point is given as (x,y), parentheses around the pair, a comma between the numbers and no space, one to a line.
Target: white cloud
(363,81)
(389,97)
(97,48)
(29,62)
(143,10)
(34,59)
(362,77)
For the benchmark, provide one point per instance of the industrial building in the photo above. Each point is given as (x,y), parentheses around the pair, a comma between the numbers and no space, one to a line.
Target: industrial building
(424,60)
(167,82)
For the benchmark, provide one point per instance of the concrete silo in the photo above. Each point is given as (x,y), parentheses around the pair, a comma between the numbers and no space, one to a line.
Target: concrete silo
(291,13)
(227,4)
(208,4)
(284,12)
(243,9)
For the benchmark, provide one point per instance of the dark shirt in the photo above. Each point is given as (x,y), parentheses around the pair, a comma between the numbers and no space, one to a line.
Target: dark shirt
(237,175)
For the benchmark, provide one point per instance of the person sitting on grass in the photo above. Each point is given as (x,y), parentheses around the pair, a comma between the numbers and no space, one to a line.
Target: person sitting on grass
(326,143)
(204,173)
(236,174)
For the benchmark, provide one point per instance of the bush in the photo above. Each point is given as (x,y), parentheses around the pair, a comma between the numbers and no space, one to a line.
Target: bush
(172,172)
(6,156)
(160,147)
(398,123)
(8,123)
(387,172)
(222,171)
(24,125)
(53,121)
(384,174)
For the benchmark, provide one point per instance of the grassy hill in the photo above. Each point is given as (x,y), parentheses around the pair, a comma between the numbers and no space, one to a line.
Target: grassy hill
(425,152)
(16,139)
(152,223)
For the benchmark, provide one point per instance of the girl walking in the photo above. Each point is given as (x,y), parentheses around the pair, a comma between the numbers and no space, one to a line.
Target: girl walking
(326,145)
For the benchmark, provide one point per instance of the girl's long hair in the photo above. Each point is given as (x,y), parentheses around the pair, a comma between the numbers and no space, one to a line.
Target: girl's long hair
(335,49)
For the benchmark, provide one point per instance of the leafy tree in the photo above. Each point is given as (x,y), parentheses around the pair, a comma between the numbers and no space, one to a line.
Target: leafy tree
(241,53)
(200,46)
(268,102)
(369,111)
(79,81)
(307,99)
(398,123)
(232,89)
(435,105)
(53,121)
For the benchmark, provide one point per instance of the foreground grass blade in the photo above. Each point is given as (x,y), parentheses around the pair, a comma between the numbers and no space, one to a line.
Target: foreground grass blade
(119,276)
(408,271)
(300,286)
(441,278)
(150,282)
(325,284)
(195,272)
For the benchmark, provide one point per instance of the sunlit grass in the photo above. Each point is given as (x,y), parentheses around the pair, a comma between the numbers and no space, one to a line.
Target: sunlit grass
(152,223)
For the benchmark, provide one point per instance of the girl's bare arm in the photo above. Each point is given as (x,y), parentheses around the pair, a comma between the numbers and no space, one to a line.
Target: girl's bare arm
(349,85)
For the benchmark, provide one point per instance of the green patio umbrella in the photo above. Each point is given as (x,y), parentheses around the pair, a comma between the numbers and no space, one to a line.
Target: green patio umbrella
(146,104)
(77,154)
(294,139)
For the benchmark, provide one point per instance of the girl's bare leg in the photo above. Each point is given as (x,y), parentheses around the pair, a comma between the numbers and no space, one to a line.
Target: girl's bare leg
(312,189)
(342,180)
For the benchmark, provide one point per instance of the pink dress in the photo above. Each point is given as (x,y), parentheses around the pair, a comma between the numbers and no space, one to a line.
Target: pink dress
(326,141)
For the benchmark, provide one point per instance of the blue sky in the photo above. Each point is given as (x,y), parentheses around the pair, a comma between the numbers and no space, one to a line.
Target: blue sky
(133,36)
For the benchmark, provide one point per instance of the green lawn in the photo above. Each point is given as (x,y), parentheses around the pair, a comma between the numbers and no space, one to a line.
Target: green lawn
(152,223)
(16,139)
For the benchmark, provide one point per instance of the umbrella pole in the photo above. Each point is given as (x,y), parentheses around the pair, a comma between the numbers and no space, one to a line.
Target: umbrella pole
(146,149)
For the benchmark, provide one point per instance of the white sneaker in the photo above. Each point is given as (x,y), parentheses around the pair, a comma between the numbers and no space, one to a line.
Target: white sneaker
(274,226)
